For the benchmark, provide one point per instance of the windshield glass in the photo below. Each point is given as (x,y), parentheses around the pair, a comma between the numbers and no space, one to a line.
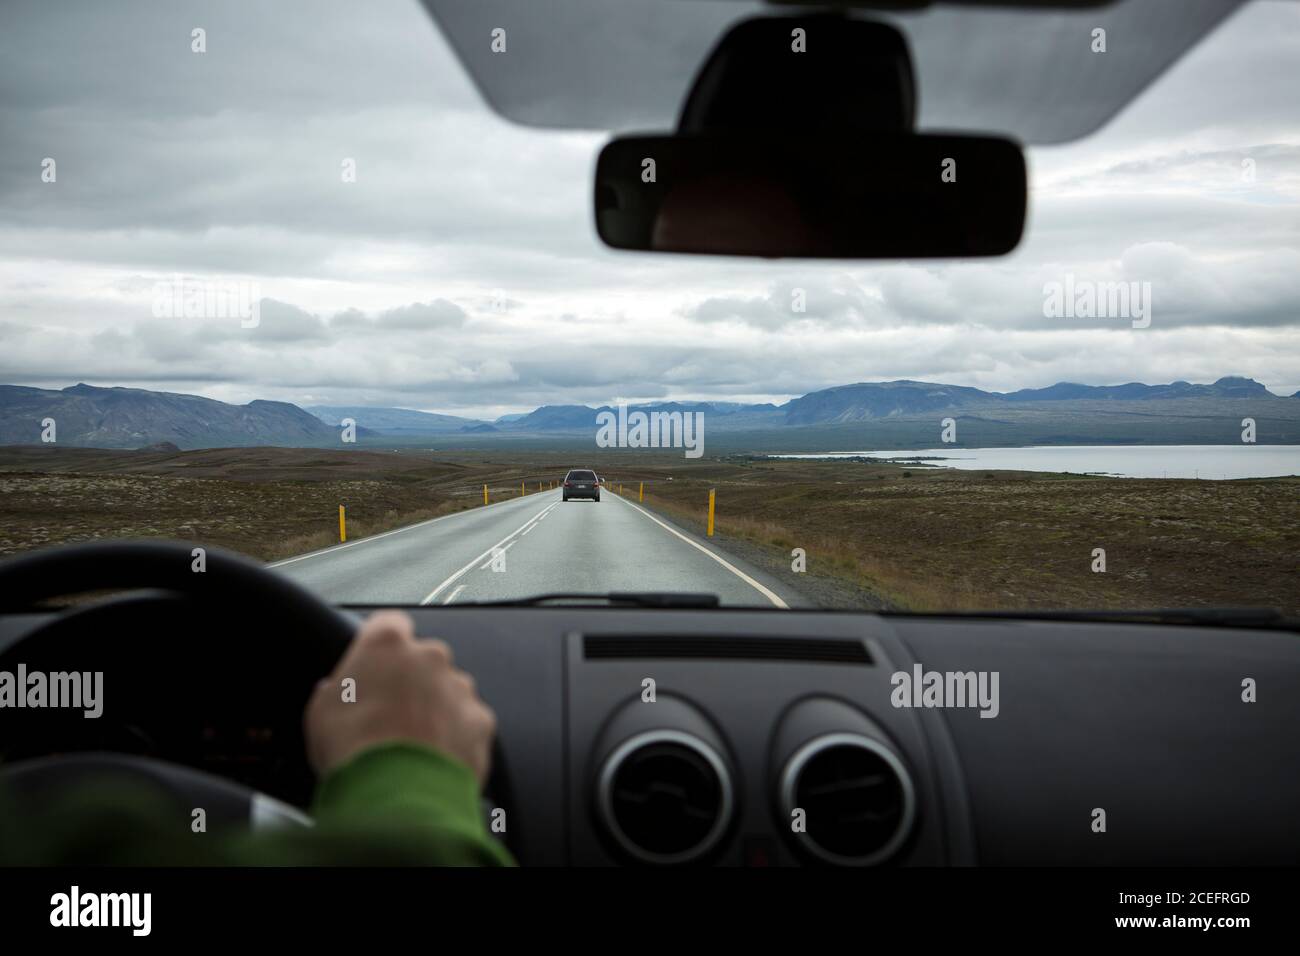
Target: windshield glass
(276,278)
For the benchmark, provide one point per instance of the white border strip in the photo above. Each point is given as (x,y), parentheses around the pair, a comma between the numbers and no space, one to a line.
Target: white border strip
(766,592)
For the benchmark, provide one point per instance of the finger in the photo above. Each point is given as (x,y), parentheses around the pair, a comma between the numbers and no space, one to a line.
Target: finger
(439,651)
(385,626)
(487,718)
(466,680)
(381,629)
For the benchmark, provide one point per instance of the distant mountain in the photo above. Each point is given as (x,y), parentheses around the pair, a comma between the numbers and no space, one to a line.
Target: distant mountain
(870,400)
(583,417)
(392,421)
(867,401)
(556,418)
(85,415)
(873,401)
(1228,387)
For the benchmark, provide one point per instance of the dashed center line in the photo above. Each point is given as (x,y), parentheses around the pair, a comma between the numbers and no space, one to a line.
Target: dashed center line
(452,580)
(488,563)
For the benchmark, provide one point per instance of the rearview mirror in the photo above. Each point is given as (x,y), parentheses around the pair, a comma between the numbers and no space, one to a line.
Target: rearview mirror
(812,195)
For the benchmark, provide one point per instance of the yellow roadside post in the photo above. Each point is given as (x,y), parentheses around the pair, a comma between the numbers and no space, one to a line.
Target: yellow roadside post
(539,486)
(522,490)
(485,501)
(640,494)
(711,494)
(343,528)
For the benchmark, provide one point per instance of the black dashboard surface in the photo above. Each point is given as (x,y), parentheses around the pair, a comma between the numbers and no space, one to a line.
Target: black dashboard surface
(1147,723)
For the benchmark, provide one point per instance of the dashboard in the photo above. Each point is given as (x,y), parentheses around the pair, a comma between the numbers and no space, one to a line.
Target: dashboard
(761,738)
(757,714)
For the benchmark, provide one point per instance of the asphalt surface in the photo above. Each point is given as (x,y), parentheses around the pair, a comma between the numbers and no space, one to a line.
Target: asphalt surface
(528,546)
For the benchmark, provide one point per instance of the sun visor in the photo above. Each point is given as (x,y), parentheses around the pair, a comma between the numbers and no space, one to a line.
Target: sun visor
(1032,73)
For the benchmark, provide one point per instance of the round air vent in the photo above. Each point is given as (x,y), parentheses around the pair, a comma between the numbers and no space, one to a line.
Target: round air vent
(665,797)
(857,797)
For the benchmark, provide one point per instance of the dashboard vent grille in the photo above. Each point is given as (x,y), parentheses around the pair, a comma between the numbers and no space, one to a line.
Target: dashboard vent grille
(857,798)
(720,647)
(666,797)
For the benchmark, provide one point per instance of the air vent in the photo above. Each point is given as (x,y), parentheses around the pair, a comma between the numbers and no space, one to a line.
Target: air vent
(665,797)
(720,647)
(856,795)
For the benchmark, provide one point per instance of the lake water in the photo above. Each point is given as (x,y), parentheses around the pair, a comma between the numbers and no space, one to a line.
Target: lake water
(1214,462)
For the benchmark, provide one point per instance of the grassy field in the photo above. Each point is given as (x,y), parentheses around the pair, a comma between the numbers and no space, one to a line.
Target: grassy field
(266,502)
(927,539)
(906,537)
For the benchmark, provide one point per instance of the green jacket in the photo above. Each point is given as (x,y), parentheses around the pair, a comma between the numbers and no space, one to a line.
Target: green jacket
(391,805)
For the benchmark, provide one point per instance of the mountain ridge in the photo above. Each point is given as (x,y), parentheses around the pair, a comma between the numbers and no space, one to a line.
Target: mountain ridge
(121,417)
(92,416)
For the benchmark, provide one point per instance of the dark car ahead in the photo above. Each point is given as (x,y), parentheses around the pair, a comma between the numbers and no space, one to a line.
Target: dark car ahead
(581,483)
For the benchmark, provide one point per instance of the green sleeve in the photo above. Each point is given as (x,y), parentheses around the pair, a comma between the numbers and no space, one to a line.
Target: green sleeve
(393,804)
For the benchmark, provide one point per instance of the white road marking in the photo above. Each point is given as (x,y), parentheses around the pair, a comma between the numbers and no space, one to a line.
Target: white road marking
(766,592)
(451,580)
(375,537)
(454,594)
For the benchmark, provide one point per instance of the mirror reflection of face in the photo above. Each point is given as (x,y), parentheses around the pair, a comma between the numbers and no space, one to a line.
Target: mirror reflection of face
(746,215)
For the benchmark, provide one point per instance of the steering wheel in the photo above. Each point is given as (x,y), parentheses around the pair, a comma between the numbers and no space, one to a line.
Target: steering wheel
(215,661)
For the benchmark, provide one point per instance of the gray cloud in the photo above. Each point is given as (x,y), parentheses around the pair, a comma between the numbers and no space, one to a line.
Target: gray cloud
(460,272)
(420,316)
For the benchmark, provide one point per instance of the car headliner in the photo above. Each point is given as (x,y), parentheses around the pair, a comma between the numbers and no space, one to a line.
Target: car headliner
(1027,72)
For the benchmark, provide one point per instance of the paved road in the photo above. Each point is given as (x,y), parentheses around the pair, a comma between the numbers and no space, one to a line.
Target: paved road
(542,545)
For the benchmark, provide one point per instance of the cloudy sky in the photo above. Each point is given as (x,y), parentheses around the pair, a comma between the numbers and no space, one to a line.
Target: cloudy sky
(460,272)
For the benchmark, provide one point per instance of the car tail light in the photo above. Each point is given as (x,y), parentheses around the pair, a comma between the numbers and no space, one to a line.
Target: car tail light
(568,484)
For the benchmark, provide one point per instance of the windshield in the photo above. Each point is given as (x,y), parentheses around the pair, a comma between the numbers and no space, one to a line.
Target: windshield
(277,278)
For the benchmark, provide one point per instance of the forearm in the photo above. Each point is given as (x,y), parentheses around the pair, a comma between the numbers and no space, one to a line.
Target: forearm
(394,804)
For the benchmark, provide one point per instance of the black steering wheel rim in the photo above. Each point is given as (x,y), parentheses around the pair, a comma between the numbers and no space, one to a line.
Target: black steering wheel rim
(29,579)
(310,636)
